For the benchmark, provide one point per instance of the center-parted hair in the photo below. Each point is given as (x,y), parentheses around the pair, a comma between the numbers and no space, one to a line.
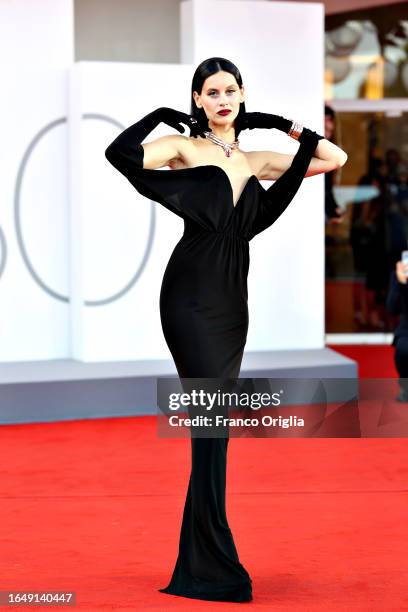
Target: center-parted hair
(207,68)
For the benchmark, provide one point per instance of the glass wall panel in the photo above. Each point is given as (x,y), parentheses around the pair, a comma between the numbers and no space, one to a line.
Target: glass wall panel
(365,242)
(366,53)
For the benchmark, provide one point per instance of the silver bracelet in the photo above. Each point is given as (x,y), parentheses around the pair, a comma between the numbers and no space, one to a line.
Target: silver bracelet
(295,130)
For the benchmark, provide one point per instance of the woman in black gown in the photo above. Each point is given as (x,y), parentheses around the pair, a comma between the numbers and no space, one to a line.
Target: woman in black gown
(203,299)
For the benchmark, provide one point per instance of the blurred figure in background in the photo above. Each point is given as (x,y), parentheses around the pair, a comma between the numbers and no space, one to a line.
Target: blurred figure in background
(377,236)
(397,217)
(376,217)
(397,304)
(333,212)
(394,167)
(368,238)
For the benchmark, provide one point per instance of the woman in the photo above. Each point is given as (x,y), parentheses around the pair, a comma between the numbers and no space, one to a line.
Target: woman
(214,187)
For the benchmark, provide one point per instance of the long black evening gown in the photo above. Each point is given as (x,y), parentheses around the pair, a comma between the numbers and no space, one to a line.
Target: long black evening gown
(204,316)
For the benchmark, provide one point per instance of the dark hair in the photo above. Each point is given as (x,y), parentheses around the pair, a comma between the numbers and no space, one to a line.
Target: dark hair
(328,111)
(207,68)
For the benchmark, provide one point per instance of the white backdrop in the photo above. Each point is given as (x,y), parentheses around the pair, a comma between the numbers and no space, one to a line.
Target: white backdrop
(118,241)
(36,47)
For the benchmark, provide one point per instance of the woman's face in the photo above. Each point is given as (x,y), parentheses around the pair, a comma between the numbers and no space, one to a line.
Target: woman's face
(220,92)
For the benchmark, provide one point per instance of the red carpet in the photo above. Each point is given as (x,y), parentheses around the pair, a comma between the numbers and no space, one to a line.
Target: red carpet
(374,360)
(95,507)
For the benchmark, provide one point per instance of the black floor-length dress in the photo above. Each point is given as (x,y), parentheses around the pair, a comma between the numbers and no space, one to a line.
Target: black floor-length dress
(204,315)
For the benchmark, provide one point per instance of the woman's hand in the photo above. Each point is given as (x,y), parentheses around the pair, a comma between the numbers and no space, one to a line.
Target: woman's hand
(401,270)
(249,121)
(175,118)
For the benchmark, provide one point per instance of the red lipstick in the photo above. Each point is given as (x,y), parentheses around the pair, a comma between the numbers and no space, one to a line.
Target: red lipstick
(224,112)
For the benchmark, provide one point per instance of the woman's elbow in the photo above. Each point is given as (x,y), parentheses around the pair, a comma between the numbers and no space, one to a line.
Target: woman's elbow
(344,159)
(112,155)
(341,158)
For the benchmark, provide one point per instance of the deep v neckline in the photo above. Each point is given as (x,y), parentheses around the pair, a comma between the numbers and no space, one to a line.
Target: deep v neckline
(227,179)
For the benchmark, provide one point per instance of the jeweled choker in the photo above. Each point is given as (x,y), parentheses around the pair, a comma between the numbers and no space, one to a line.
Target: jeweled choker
(227,146)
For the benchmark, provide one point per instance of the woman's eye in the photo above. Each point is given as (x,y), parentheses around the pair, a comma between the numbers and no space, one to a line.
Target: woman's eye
(214,92)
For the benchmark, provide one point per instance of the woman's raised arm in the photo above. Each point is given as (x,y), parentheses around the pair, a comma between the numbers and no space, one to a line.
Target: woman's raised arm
(126,151)
(326,157)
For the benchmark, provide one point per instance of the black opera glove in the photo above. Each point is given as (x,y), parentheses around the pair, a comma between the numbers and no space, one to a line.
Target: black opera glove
(164,114)
(250,121)
(309,136)
(175,118)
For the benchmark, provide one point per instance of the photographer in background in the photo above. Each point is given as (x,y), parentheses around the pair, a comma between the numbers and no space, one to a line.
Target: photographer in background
(397,304)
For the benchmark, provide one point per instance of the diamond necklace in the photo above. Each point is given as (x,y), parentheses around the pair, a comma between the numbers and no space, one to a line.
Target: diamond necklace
(225,145)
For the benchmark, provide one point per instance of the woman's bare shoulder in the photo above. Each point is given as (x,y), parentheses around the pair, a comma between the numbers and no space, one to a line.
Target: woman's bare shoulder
(188,148)
(269,165)
(257,161)
(181,141)
(162,151)
(196,151)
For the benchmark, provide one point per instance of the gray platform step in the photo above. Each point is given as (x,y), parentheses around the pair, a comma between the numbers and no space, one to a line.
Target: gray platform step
(65,389)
